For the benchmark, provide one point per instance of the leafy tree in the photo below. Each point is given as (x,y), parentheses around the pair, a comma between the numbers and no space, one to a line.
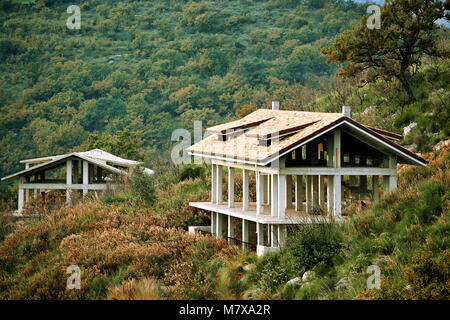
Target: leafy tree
(407,33)
(103,110)
(124,144)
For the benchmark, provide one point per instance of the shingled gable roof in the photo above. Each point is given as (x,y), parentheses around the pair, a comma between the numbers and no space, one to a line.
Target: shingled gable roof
(297,127)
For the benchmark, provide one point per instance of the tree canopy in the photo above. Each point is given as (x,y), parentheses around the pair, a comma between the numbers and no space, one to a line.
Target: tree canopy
(407,33)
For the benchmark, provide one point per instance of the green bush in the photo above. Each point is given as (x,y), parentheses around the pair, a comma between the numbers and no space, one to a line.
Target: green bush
(191,172)
(142,185)
(315,243)
(272,271)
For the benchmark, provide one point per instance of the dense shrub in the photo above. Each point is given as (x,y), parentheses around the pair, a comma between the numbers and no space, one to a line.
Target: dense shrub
(142,185)
(312,244)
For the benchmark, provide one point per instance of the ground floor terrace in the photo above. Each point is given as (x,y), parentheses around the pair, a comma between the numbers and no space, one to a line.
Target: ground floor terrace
(284,197)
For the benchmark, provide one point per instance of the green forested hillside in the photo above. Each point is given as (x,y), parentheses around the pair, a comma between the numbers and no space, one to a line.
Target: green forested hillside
(152,66)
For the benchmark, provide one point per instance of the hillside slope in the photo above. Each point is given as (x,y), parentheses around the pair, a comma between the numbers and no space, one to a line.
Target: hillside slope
(151,66)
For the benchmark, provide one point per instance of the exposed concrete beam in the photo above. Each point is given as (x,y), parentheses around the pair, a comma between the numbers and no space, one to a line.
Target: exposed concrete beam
(346,171)
(62,186)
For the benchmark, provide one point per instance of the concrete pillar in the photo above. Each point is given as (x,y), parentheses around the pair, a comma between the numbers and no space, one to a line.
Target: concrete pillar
(393,178)
(266,189)
(230,227)
(213,223)
(68,181)
(259,193)
(315,192)
(385,185)
(230,187)
(299,193)
(330,197)
(337,195)
(213,183)
(274,195)
(244,233)
(219,196)
(281,196)
(337,148)
(288,191)
(269,189)
(20,200)
(219,225)
(375,189)
(85,177)
(245,189)
(308,194)
(321,190)
(392,182)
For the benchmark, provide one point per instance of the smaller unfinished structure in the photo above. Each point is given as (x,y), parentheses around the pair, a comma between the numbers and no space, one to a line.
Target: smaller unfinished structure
(93,170)
(307,167)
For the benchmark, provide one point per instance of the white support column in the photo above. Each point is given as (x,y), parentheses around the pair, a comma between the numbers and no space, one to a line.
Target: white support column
(219,175)
(27,196)
(269,190)
(259,193)
(274,195)
(393,178)
(244,233)
(321,190)
(266,189)
(337,148)
(281,196)
(230,231)
(68,181)
(330,197)
(337,195)
(213,183)
(219,224)
(20,199)
(244,189)
(213,223)
(299,193)
(288,191)
(375,189)
(85,177)
(308,194)
(230,187)
(385,185)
